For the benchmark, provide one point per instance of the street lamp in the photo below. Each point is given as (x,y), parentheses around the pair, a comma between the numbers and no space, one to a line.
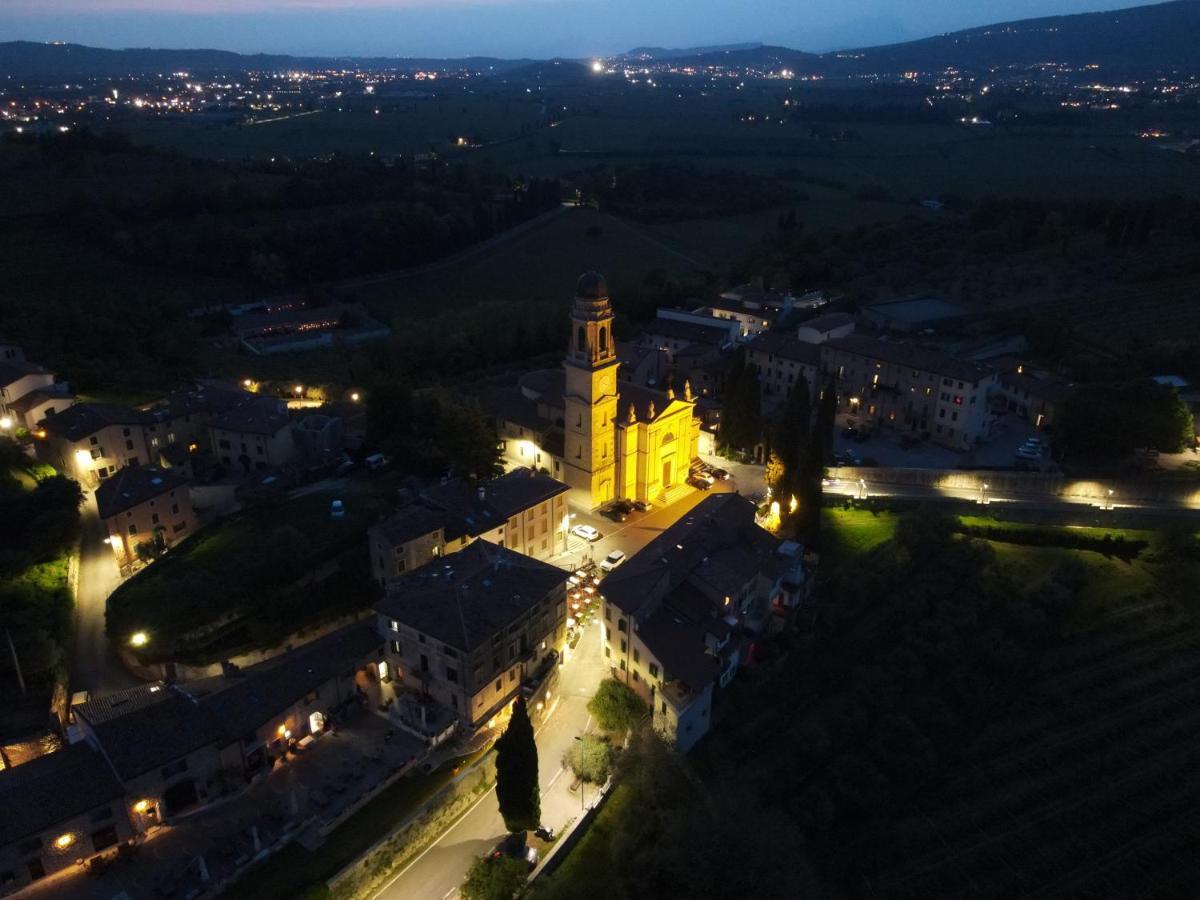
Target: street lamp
(139,639)
(354,397)
(1110,498)
(5,423)
(862,489)
(983,496)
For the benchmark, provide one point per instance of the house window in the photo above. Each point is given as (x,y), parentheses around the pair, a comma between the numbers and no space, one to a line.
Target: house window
(624,646)
(621,625)
(93,440)
(637,657)
(129,445)
(396,649)
(97,453)
(452,675)
(653,670)
(154,518)
(133,529)
(499,685)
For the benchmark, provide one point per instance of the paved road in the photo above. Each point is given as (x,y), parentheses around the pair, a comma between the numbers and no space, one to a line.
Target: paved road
(439,871)
(95,666)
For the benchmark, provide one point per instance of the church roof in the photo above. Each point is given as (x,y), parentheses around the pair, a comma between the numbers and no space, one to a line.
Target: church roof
(641,398)
(591,286)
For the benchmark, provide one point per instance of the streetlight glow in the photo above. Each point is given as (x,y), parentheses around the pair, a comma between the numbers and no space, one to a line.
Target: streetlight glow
(5,423)
(139,639)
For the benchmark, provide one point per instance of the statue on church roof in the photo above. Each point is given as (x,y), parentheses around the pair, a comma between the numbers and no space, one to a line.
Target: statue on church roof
(651,413)
(670,392)
(632,415)
(687,390)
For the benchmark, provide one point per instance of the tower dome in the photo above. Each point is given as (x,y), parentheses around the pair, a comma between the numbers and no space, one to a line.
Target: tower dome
(591,286)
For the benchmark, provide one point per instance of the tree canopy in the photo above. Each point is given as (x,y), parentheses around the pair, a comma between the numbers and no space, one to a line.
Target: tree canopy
(1104,422)
(494,877)
(517,773)
(616,707)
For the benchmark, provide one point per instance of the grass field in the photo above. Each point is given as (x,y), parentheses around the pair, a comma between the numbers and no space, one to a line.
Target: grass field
(856,531)
(541,264)
(251,579)
(1087,787)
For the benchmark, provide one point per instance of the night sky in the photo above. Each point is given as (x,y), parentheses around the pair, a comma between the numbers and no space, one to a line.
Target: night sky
(511,28)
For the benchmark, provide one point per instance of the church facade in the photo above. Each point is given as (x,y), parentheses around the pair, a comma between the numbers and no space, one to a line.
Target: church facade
(621,441)
(605,438)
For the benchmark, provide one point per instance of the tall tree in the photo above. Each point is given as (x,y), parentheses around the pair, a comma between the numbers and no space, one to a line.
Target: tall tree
(791,433)
(517,773)
(741,424)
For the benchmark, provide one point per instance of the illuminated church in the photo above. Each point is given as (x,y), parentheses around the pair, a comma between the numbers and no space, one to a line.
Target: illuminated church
(606,438)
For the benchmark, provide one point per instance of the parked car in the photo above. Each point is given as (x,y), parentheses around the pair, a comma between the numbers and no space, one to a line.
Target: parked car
(643,505)
(514,846)
(587,532)
(377,461)
(700,483)
(337,510)
(720,474)
(615,512)
(705,477)
(1028,451)
(610,562)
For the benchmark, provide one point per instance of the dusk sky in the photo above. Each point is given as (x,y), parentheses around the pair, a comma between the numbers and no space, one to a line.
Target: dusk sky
(540,28)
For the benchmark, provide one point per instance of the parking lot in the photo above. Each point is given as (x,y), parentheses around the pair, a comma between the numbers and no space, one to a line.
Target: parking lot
(896,449)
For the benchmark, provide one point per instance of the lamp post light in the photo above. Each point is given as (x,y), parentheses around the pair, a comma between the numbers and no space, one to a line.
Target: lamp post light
(1110,499)
(6,423)
(983,494)
(862,489)
(139,639)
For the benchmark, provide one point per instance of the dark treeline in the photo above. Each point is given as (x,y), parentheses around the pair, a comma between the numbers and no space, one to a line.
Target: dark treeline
(673,190)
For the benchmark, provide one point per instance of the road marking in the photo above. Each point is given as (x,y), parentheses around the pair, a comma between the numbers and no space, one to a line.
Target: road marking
(441,838)
(446,833)
(555,778)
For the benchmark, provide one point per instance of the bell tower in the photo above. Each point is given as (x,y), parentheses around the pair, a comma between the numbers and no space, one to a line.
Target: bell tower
(590,398)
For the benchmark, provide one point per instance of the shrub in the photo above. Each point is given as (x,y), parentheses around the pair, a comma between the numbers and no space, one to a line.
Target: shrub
(590,758)
(616,707)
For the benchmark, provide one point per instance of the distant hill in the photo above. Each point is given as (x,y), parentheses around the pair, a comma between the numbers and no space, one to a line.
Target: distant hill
(29,59)
(1141,38)
(661,53)
(1138,39)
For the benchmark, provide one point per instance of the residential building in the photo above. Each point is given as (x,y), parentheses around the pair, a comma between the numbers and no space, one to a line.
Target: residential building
(318,439)
(821,328)
(912,388)
(674,329)
(39,404)
(184,415)
(28,392)
(91,441)
(780,359)
(144,505)
(467,630)
(916,314)
(175,745)
(1037,397)
(684,612)
(253,435)
(523,510)
(58,808)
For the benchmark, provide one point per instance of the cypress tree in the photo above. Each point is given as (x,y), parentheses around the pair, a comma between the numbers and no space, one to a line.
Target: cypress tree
(517,773)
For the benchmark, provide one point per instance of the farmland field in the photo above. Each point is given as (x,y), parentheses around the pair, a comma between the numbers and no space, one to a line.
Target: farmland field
(1114,705)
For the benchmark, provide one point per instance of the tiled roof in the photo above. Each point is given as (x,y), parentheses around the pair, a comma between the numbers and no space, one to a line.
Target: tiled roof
(909,356)
(511,405)
(502,497)
(22,405)
(411,522)
(133,486)
(467,597)
(787,346)
(669,560)
(1055,390)
(83,419)
(259,415)
(692,332)
(147,727)
(829,322)
(53,788)
(13,370)
(206,398)
(678,644)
